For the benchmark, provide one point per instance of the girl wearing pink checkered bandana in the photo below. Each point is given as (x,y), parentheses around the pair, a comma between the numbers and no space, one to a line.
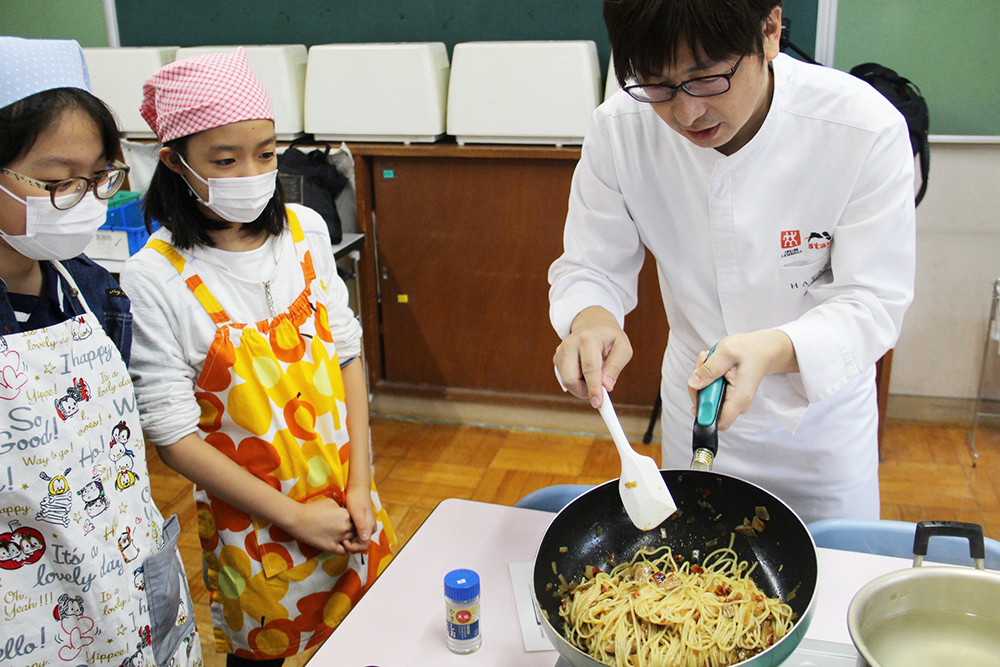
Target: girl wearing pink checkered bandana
(247,369)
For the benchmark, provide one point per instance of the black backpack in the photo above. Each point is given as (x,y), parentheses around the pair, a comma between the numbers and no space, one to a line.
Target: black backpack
(906,97)
(311,180)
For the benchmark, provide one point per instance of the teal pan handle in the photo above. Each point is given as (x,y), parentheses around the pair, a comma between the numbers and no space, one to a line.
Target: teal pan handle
(710,400)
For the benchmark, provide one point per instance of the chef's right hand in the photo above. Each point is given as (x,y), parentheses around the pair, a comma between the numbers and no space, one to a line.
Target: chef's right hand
(323,524)
(593,355)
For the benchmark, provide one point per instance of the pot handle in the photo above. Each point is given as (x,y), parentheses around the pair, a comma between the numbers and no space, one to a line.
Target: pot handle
(970,531)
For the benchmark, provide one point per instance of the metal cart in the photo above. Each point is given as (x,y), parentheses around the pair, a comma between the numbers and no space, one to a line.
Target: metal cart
(988,394)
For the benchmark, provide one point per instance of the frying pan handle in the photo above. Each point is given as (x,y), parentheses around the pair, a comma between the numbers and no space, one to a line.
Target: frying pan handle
(705,443)
(970,531)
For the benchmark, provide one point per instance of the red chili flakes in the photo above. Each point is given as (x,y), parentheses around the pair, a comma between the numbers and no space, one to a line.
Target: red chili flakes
(697,569)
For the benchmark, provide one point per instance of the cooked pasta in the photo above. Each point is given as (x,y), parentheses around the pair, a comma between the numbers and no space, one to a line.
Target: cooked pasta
(654,612)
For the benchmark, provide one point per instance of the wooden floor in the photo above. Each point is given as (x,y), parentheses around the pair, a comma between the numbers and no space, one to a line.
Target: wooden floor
(926,473)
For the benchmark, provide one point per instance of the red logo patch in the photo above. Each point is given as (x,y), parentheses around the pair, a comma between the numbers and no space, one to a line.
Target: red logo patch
(463,616)
(791,239)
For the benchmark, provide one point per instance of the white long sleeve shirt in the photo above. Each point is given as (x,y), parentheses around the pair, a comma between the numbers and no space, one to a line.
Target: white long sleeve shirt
(172,332)
(809,228)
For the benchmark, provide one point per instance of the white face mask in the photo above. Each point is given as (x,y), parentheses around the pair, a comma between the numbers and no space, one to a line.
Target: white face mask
(52,234)
(237,198)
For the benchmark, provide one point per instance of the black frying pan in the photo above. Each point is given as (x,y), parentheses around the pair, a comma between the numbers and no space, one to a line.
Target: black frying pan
(595,530)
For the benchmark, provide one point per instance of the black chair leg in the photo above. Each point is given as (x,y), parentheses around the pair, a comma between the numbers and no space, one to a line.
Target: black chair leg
(657,405)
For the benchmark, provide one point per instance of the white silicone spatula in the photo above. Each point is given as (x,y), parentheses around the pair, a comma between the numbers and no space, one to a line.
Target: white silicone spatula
(645,495)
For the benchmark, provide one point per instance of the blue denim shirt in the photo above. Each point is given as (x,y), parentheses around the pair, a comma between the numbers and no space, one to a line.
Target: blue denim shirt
(104,296)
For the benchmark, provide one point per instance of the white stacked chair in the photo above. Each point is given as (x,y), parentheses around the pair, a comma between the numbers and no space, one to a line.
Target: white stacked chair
(611,85)
(282,70)
(117,75)
(535,92)
(377,92)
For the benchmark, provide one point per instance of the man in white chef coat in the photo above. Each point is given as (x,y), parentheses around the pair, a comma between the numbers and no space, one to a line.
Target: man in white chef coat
(777,199)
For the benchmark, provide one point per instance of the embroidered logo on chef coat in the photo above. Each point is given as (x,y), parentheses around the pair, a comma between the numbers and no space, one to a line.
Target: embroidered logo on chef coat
(790,239)
(819,240)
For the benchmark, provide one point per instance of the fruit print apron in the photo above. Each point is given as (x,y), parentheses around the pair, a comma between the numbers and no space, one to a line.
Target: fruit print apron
(272,399)
(89,571)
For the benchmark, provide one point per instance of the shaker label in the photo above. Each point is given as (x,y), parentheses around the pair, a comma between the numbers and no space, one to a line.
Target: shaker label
(463,632)
(463,623)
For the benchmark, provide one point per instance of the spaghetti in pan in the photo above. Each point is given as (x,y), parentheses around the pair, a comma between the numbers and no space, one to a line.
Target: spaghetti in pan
(659,609)
(729,578)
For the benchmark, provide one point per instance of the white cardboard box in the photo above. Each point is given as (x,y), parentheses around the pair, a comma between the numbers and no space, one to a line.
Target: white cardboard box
(377,92)
(539,92)
(117,75)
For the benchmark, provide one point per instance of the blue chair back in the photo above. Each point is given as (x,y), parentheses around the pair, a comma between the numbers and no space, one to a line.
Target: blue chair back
(895,538)
(552,498)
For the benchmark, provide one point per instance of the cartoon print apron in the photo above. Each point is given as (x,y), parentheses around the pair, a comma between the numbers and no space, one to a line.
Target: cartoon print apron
(89,570)
(272,399)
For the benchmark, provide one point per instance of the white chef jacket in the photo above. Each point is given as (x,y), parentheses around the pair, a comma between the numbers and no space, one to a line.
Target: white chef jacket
(172,332)
(808,228)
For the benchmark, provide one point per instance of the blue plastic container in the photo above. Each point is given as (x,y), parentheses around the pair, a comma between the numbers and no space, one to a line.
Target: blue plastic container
(127,226)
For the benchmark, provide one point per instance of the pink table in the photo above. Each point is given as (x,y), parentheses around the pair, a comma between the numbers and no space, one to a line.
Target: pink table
(400,621)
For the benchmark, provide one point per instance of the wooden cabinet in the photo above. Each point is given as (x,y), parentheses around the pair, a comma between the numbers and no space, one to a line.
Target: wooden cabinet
(464,239)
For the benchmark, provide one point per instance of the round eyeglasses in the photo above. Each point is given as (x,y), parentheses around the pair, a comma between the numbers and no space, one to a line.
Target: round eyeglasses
(702,86)
(67,193)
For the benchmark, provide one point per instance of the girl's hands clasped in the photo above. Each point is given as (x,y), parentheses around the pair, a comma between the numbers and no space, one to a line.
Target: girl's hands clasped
(359,504)
(324,524)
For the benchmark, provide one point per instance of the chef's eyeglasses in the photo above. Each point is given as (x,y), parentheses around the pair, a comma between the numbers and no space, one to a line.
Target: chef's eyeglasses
(702,86)
(69,192)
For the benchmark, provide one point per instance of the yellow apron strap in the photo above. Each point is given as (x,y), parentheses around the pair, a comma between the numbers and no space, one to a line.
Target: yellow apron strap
(170,253)
(294,226)
(301,247)
(193,281)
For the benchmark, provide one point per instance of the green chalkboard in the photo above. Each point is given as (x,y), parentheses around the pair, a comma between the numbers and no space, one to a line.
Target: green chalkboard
(951,50)
(214,22)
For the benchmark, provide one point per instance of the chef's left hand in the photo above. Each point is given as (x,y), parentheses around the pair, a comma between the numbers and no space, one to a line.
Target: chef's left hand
(744,360)
(359,504)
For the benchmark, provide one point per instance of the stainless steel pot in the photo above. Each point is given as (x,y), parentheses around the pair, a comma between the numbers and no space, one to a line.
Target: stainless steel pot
(930,617)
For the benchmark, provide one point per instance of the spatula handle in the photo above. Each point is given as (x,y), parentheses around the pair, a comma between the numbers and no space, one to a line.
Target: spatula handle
(607,411)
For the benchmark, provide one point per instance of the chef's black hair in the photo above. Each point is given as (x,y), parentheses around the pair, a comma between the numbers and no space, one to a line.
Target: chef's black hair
(646,35)
(170,202)
(22,122)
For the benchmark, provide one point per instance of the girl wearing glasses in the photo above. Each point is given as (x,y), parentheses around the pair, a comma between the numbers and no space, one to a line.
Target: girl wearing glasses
(247,369)
(777,200)
(75,596)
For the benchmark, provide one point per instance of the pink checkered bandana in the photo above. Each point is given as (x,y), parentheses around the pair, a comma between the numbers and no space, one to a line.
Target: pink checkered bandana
(199,93)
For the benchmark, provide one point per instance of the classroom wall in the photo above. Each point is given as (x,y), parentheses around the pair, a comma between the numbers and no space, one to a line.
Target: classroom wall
(949,49)
(82,20)
(958,259)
